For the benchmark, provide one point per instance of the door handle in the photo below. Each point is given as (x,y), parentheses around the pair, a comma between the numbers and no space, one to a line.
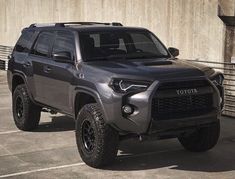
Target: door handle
(27,64)
(47,69)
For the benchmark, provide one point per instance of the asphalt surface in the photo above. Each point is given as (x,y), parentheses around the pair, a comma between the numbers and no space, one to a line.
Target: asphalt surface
(50,152)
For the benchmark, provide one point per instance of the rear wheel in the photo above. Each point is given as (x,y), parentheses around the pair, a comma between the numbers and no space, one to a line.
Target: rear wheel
(26,114)
(203,139)
(97,141)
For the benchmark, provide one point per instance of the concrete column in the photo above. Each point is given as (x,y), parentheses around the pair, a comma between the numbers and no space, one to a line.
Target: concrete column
(227,9)
(229,47)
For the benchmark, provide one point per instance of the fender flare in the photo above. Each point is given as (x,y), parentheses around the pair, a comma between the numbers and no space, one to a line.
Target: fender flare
(91,92)
(23,76)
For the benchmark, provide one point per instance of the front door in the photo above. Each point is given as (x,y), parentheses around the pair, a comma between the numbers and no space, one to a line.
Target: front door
(59,79)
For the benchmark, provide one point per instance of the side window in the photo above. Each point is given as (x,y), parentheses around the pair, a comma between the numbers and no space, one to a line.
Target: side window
(25,42)
(122,45)
(159,46)
(96,38)
(43,44)
(64,42)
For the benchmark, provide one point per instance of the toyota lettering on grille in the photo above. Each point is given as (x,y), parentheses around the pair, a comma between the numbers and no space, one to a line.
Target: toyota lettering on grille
(187,91)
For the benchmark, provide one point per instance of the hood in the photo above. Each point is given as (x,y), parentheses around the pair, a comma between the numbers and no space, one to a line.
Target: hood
(152,69)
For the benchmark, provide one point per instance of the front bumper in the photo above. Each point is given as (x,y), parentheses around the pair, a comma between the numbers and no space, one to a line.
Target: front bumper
(136,123)
(178,124)
(141,122)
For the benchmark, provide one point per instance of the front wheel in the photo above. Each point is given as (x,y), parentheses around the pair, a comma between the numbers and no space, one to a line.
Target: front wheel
(97,142)
(203,139)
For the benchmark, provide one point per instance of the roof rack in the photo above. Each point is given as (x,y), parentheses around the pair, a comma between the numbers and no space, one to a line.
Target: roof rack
(63,24)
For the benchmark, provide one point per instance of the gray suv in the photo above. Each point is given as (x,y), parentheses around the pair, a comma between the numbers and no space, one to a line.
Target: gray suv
(116,82)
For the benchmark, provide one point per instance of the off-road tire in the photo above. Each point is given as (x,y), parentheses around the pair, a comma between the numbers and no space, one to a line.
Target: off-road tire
(203,139)
(105,145)
(31,113)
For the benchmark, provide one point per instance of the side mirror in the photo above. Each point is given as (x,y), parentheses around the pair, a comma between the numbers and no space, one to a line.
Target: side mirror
(9,57)
(174,51)
(63,57)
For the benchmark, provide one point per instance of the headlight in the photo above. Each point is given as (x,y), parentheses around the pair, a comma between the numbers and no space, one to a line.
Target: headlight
(123,86)
(218,79)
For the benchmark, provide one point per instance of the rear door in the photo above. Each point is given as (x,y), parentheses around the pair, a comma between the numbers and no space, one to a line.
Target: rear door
(41,58)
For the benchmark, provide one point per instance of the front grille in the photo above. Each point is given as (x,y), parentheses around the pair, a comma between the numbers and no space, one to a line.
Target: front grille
(166,104)
(180,107)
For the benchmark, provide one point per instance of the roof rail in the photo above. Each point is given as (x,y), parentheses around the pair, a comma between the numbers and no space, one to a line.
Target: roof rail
(42,25)
(63,24)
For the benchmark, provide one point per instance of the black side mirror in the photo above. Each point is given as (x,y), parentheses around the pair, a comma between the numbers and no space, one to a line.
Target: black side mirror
(63,57)
(9,57)
(174,51)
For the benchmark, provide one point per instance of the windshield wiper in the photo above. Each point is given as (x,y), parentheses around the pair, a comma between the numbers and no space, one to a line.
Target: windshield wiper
(110,57)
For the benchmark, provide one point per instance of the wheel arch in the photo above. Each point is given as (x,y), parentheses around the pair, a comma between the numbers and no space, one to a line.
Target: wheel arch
(17,79)
(83,97)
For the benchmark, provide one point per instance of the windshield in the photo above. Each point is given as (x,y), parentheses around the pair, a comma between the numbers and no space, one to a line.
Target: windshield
(111,45)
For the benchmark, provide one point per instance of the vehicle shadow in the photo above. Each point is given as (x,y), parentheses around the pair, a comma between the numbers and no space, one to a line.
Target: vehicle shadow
(170,154)
(58,123)
(134,155)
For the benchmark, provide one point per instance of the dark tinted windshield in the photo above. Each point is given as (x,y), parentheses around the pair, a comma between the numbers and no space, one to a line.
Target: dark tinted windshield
(112,45)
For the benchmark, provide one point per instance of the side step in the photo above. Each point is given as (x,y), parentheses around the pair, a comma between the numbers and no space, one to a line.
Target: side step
(49,110)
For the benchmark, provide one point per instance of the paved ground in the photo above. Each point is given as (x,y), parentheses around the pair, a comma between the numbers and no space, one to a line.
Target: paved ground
(50,152)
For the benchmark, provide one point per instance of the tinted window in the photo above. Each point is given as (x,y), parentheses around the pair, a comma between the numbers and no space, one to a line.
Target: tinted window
(143,43)
(25,42)
(125,44)
(64,42)
(43,44)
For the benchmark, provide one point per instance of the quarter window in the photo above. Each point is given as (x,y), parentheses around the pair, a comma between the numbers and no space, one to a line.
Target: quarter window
(25,42)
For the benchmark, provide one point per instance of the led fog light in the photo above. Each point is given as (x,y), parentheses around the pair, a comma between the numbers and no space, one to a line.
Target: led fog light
(127,109)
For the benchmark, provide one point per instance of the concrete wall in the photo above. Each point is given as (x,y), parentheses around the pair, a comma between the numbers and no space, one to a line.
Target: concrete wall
(190,25)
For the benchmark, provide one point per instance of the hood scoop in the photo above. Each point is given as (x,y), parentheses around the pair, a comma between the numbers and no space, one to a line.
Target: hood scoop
(158,63)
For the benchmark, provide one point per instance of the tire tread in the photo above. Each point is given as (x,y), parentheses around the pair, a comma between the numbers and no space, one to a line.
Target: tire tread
(107,149)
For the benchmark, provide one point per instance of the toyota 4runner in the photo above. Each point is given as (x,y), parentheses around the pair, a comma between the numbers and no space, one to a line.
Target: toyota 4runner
(116,82)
